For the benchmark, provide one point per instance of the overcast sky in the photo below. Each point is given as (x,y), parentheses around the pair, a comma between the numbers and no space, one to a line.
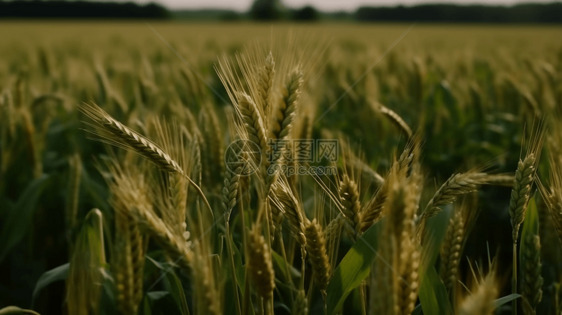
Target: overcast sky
(326,5)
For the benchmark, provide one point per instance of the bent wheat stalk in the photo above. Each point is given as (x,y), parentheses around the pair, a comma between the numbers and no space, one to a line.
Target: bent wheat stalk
(115,133)
(394,118)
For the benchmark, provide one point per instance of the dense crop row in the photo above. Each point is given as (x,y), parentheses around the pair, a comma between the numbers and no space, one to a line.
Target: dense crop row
(287,173)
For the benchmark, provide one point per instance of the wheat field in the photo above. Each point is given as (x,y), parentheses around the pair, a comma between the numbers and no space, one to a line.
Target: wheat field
(177,168)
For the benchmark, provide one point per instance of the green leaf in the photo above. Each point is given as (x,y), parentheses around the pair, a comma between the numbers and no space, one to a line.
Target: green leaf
(13,310)
(353,268)
(281,268)
(173,285)
(433,294)
(240,270)
(435,227)
(506,299)
(18,221)
(53,275)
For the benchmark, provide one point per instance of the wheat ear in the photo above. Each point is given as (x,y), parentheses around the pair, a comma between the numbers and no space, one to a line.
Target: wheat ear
(395,119)
(287,203)
(316,248)
(372,212)
(457,185)
(349,198)
(115,133)
(403,203)
(288,105)
(332,230)
(556,214)
(252,120)
(521,192)
(265,81)
(130,198)
(481,301)
(451,251)
(230,189)
(176,246)
(205,285)
(178,193)
(128,266)
(532,279)
(283,123)
(260,265)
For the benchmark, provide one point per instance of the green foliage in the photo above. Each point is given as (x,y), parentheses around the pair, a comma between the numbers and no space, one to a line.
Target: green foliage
(353,269)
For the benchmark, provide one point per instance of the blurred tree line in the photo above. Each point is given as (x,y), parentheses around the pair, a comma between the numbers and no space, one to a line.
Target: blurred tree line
(80,9)
(274,10)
